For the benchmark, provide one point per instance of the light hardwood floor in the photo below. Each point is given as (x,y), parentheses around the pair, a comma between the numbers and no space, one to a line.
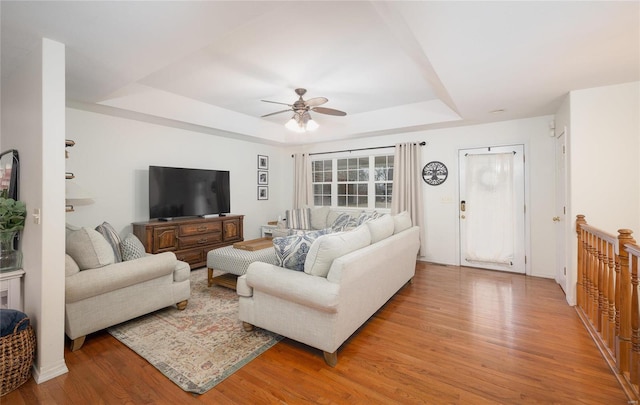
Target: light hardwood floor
(454,336)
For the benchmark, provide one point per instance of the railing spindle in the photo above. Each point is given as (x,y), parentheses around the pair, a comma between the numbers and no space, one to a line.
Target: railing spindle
(634,371)
(624,337)
(611,316)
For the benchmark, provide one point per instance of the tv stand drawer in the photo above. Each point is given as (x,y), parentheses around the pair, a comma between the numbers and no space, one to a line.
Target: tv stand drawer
(185,242)
(191,255)
(200,228)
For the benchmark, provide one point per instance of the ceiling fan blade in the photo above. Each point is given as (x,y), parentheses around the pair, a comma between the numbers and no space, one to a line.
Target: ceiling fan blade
(313,102)
(329,111)
(277,112)
(276,102)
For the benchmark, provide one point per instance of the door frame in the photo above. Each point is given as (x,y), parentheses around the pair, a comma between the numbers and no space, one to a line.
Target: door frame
(527,214)
(561,211)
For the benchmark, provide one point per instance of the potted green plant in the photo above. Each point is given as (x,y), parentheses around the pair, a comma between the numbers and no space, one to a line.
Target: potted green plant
(12,218)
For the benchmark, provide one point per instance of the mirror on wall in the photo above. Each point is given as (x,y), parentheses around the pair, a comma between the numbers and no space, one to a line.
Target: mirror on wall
(9,169)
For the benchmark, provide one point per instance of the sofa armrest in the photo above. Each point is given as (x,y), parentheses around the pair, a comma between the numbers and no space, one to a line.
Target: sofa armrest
(89,283)
(299,287)
(181,272)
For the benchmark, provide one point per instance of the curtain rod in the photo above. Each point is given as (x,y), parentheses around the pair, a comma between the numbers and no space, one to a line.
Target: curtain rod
(359,149)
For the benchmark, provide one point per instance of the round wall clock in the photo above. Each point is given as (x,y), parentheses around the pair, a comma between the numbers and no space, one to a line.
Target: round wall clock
(434,173)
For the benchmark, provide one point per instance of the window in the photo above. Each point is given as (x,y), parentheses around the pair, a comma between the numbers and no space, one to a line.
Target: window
(322,175)
(356,182)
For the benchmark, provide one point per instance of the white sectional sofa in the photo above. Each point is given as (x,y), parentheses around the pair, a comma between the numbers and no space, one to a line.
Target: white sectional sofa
(347,277)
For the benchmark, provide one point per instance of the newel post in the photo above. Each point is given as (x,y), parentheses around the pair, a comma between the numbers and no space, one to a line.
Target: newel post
(623,352)
(580,282)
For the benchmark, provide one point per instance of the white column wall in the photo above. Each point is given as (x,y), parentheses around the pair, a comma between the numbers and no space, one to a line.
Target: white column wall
(33,103)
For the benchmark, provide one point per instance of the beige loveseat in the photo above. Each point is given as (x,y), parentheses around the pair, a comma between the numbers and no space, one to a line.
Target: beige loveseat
(347,277)
(101,292)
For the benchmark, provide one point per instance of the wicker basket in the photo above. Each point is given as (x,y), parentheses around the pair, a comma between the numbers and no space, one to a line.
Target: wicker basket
(18,352)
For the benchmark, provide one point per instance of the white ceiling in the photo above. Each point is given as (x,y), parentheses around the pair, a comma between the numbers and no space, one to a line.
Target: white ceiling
(393,66)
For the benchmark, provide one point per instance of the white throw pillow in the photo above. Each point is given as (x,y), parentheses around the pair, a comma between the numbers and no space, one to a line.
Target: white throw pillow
(380,228)
(329,247)
(402,221)
(89,249)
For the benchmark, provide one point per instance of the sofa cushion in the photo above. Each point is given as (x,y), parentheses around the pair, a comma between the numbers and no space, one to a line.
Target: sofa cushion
(291,251)
(68,228)
(132,248)
(380,228)
(110,234)
(367,216)
(319,217)
(89,249)
(299,218)
(70,266)
(331,246)
(401,222)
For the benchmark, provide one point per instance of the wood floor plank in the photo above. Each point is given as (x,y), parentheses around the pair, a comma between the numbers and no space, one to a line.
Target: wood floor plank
(455,335)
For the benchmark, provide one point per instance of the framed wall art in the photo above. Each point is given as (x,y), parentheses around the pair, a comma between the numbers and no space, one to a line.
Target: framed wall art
(263,193)
(263,162)
(263,177)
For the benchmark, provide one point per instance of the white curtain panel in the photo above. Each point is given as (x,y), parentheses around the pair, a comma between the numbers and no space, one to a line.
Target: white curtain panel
(407,185)
(490,231)
(302,195)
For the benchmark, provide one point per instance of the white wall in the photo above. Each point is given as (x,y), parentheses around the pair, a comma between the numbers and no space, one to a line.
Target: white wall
(441,202)
(603,165)
(605,139)
(111,158)
(33,103)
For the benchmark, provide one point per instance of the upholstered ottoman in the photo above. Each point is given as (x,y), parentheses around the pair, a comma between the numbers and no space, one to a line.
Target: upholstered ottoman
(234,262)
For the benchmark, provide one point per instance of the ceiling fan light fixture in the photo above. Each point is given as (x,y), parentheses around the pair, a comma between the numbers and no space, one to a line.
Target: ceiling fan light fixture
(292,124)
(312,125)
(301,122)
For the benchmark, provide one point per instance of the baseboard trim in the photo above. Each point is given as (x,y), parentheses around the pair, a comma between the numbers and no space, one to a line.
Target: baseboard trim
(625,384)
(41,375)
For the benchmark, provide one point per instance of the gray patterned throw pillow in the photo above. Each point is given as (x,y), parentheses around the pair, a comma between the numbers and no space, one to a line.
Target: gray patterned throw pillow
(291,251)
(132,248)
(113,238)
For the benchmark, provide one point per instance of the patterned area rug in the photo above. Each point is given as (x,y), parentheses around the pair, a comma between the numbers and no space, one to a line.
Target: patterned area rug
(199,347)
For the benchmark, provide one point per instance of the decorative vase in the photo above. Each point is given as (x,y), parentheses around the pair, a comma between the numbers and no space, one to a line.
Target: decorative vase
(10,258)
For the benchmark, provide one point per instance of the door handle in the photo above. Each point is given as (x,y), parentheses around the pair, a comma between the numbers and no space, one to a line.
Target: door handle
(556,219)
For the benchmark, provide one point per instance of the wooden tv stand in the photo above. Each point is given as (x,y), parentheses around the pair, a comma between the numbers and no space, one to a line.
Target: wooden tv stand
(190,238)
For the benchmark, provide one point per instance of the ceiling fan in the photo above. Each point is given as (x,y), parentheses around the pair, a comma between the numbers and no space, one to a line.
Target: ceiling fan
(301,120)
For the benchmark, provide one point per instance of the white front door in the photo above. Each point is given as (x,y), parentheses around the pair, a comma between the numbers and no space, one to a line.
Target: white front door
(491,208)
(560,218)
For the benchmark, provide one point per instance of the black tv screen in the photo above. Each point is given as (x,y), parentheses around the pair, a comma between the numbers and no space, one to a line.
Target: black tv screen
(180,192)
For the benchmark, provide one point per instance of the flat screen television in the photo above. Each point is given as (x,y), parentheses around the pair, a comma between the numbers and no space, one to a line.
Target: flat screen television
(181,192)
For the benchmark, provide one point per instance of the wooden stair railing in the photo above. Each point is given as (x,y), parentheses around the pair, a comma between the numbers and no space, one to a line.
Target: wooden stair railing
(607,295)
